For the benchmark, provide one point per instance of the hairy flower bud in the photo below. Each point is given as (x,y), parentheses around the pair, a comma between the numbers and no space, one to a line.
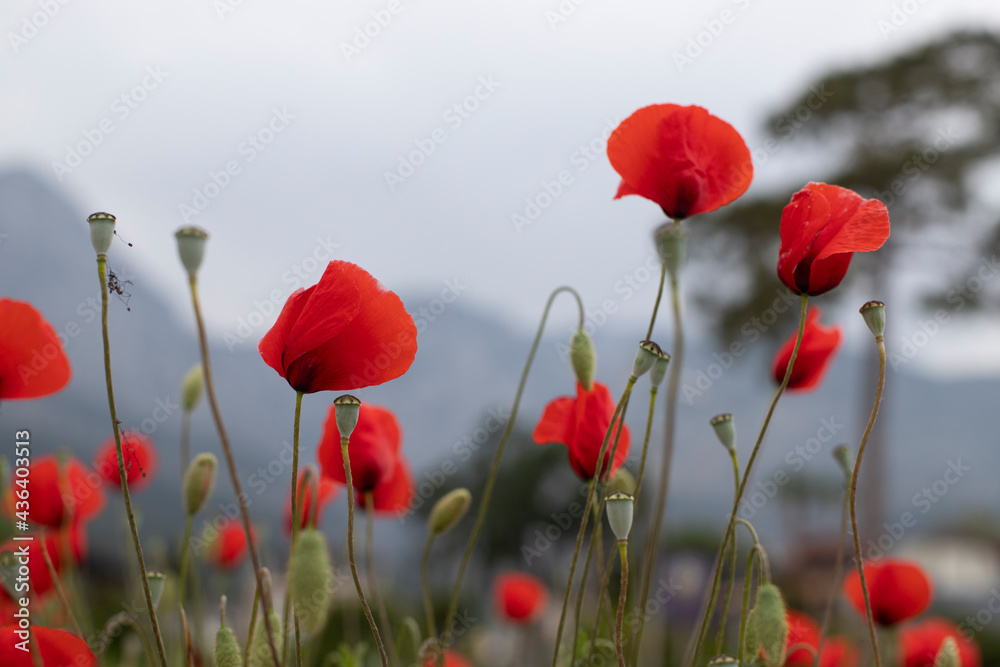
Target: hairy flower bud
(199,480)
(583,358)
(448,511)
(260,650)
(227,649)
(192,387)
(767,626)
(310,580)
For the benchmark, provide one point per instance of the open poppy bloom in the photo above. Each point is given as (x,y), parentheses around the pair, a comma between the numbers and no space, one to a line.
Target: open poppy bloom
(377,464)
(139,455)
(803,632)
(821,228)
(451,659)
(580,423)
(327,491)
(839,652)
(229,547)
(919,643)
(61,491)
(818,346)
(519,597)
(57,648)
(898,590)
(32,360)
(683,158)
(345,332)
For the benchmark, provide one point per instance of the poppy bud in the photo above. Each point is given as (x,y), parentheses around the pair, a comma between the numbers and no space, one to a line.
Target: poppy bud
(191,247)
(725,430)
(874,314)
(157,582)
(843,456)
(671,244)
(199,480)
(620,507)
(192,387)
(310,580)
(448,511)
(647,355)
(659,370)
(102,232)
(623,481)
(723,661)
(767,626)
(260,648)
(582,358)
(948,655)
(347,408)
(227,649)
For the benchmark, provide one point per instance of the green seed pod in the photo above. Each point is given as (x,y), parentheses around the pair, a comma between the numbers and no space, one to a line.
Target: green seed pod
(448,511)
(260,649)
(620,507)
(346,410)
(767,626)
(725,430)
(583,358)
(310,580)
(191,247)
(227,649)
(645,357)
(102,232)
(157,582)
(948,655)
(192,387)
(659,370)
(874,314)
(199,480)
(671,243)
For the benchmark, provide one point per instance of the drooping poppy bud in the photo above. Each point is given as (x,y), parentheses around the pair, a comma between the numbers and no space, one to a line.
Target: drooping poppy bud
(583,358)
(448,511)
(767,626)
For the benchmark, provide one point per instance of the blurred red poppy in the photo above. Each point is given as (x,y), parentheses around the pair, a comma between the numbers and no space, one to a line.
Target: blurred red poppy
(60,491)
(821,228)
(327,492)
(919,643)
(819,344)
(32,360)
(345,332)
(229,547)
(377,464)
(802,631)
(580,423)
(839,652)
(69,541)
(898,590)
(139,454)
(683,158)
(57,648)
(451,659)
(519,597)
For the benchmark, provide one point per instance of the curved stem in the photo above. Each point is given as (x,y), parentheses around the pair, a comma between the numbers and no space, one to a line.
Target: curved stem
(484,505)
(693,647)
(645,443)
(732,559)
(350,553)
(838,572)
(673,391)
(230,460)
(383,615)
(102,266)
(425,577)
(295,525)
(659,296)
(622,595)
(854,488)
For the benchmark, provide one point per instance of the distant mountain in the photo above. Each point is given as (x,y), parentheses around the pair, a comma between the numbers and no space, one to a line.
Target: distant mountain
(467,366)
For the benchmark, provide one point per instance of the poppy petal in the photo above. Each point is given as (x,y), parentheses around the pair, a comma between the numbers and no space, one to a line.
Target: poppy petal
(556,424)
(57,648)
(32,361)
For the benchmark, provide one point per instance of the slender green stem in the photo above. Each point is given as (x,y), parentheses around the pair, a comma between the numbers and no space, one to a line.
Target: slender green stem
(383,615)
(60,591)
(425,578)
(484,504)
(880,340)
(645,443)
(295,523)
(622,595)
(230,460)
(673,392)
(253,624)
(732,559)
(695,645)
(659,296)
(605,581)
(838,572)
(185,559)
(102,266)
(619,410)
(350,553)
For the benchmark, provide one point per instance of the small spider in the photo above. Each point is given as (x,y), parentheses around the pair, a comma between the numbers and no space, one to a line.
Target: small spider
(117,286)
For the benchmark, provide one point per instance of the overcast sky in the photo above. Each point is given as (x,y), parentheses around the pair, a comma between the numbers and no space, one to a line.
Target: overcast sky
(294,137)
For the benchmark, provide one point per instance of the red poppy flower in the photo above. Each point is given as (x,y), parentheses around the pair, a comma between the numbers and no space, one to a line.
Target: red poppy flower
(683,158)
(821,228)
(229,547)
(345,332)
(519,597)
(60,491)
(819,344)
(919,643)
(839,652)
(139,455)
(802,631)
(451,659)
(57,648)
(898,589)
(32,361)
(327,491)
(395,494)
(580,423)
